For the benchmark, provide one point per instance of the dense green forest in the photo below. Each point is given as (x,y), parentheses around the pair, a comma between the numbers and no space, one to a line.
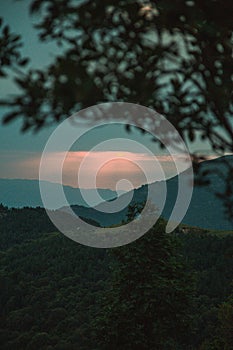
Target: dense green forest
(164,291)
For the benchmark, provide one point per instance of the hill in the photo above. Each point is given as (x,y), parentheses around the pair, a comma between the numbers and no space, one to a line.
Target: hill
(20,193)
(206,210)
(52,288)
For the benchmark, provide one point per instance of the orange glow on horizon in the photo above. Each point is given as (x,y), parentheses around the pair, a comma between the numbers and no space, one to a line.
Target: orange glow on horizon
(116,165)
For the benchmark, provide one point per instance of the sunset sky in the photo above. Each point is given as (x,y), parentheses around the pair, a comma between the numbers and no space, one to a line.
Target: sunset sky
(20,153)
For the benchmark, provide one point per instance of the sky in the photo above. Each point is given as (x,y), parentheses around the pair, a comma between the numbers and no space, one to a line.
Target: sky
(20,153)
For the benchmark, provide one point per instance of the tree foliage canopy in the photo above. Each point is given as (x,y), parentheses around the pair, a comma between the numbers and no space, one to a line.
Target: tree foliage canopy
(172,56)
(56,294)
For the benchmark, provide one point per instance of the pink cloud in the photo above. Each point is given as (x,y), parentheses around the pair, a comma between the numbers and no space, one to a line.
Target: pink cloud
(119,165)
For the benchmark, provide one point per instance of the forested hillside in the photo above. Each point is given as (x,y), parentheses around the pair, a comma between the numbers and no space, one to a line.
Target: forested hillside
(162,291)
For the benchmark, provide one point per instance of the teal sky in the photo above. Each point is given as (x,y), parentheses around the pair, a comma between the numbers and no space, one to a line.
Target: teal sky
(15,13)
(15,147)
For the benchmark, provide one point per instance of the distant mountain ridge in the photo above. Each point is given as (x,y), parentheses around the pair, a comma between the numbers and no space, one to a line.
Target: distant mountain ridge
(20,193)
(206,210)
